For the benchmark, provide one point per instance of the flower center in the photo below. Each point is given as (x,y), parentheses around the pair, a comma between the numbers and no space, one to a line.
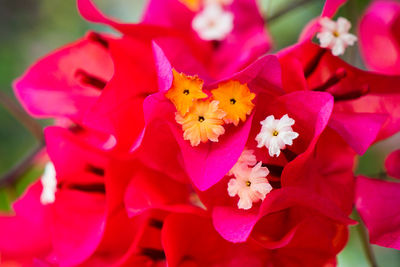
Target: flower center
(248,183)
(186,91)
(201,118)
(336,34)
(233,101)
(275,133)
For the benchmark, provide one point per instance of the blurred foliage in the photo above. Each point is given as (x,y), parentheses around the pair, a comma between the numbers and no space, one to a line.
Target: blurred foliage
(29,29)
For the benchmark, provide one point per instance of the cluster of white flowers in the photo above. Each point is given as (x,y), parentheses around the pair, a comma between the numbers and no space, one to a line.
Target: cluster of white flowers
(250,182)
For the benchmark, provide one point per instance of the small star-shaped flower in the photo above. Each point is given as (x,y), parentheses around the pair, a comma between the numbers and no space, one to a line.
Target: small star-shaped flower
(202,123)
(251,185)
(213,23)
(335,35)
(184,91)
(276,134)
(235,99)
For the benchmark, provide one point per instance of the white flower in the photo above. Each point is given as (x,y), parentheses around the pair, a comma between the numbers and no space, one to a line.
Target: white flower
(49,183)
(213,22)
(335,35)
(276,134)
(251,185)
(246,159)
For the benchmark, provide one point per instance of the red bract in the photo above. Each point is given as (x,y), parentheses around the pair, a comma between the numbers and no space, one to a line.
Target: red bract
(203,163)
(380,36)
(191,240)
(119,110)
(180,146)
(311,111)
(88,217)
(310,119)
(68,81)
(24,236)
(365,109)
(248,38)
(377,202)
(74,222)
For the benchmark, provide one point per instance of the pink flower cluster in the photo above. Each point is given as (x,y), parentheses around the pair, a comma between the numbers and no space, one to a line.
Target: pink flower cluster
(125,187)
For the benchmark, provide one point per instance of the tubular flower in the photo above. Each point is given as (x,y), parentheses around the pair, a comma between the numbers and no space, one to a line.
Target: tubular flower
(203,122)
(251,185)
(276,134)
(235,99)
(246,159)
(335,35)
(184,90)
(213,23)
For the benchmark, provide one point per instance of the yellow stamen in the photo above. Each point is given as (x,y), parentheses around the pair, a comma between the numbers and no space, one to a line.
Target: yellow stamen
(184,91)
(235,99)
(202,123)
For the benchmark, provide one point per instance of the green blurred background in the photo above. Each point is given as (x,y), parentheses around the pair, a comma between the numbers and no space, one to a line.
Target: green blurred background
(29,29)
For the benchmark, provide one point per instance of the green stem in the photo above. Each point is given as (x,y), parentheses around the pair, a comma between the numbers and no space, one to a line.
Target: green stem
(20,168)
(363,233)
(286,10)
(29,123)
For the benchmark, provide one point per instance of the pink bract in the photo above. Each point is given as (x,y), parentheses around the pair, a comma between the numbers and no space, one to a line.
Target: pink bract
(379,36)
(378,204)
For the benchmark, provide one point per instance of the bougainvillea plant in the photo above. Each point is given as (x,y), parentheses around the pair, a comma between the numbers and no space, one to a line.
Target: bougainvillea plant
(182,140)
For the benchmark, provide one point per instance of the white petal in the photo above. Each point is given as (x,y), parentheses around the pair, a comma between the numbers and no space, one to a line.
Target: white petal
(245,202)
(287,137)
(273,148)
(268,120)
(263,189)
(233,187)
(343,25)
(326,39)
(285,121)
(327,24)
(349,38)
(338,48)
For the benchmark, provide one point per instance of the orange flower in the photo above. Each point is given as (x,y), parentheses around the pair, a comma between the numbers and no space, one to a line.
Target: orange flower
(193,5)
(184,90)
(203,122)
(235,99)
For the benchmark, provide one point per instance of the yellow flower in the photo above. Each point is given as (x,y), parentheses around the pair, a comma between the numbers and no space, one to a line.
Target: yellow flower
(184,90)
(203,122)
(235,99)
